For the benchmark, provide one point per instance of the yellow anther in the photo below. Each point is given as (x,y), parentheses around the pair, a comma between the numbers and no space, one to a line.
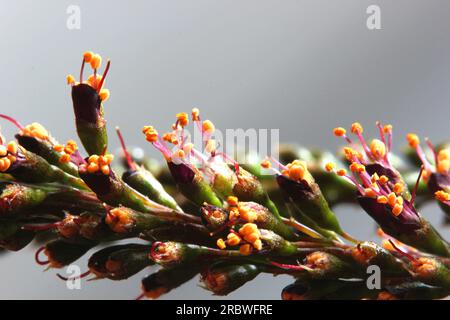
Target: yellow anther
(234,213)
(443,166)
(12,158)
(266,164)
(233,239)
(87,56)
(104,94)
(151,136)
(3,151)
(208,126)
(93,159)
(387,128)
(392,199)
(296,172)
(183,119)
(257,244)
(187,148)
(195,114)
(65,158)
(180,154)
(339,131)
(232,201)
(35,130)
(368,192)
(248,228)
(377,148)
(356,167)
(397,209)
(108,158)
(247,214)
(443,154)
(383,179)
(170,137)
(245,249)
(58,147)
(398,188)
(210,146)
(5,163)
(70,79)
(400,200)
(221,244)
(341,172)
(330,166)
(94,80)
(96,61)
(442,196)
(382,199)
(374,178)
(92,167)
(251,237)
(413,140)
(357,128)
(105,169)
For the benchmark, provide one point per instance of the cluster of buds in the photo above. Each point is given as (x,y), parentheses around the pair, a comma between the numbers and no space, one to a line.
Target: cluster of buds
(205,214)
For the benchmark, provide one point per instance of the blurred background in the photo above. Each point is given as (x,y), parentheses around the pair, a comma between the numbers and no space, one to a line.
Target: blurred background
(303,67)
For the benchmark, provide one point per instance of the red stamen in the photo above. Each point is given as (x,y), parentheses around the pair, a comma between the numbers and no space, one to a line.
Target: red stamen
(287,266)
(130,162)
(416,186)
(81,71)
(41,227)
(13,121)
(36,257)
(104,76)
(403,253)
(140,297)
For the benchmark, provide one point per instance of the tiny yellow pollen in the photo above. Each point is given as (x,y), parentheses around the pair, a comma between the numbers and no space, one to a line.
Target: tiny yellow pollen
(210,146)
(92,167)
(251,237)
(105,169)
(104,94)
(383,179)
(368,192)
(221,244)
(398,188)
(96,61)
(413,140)
(233,239)
(266,164)
(65,158)
(87,56)
(398,208)
(387,128)
(357,128)
(443,166)
(93,159)
(341,172)
(296,172)
(443,154)
(245,249)
(232,201)
(374,178)
(187,148)
(248,228)
(208,126)
(378,149)
(195,114)
(58,147)
(392,199)
(257,244)
(442,196)
(339,131)
(330,166)
(382,199)
(70,79)
(180,154)
(183,119)
(12,147)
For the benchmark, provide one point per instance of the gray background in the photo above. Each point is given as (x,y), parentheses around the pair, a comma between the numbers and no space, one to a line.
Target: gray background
(301,66)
